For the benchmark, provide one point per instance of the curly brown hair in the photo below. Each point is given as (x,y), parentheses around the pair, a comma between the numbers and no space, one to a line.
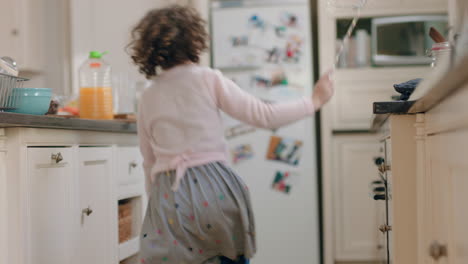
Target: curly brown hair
(166,38)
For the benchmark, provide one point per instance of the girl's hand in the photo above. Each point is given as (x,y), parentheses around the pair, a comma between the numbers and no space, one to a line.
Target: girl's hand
(323,90)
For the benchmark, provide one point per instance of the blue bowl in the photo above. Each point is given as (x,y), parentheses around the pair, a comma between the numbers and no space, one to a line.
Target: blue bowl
(32,101)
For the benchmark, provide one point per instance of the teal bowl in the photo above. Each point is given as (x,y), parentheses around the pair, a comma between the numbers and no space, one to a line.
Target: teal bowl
(32,101)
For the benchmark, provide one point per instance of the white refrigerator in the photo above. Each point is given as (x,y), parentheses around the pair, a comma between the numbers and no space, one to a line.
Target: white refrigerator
(266,47)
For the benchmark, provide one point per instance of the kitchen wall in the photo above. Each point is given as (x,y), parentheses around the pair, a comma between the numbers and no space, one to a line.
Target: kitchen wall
(51,38)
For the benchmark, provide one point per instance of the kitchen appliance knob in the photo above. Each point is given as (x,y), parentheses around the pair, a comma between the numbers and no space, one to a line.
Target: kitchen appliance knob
(87,211)
(379,189)
(378,161)
(377,182)
(57,157)
(385,228)
(379,197)
(437,250)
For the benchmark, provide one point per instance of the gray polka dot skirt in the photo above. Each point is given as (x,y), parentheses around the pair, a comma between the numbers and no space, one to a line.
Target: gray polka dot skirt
(210,215)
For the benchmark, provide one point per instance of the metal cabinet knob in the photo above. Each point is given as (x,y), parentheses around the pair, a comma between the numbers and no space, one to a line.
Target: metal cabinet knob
(385,228)
(57,157)
(87,211)
(437,250)
(133,164)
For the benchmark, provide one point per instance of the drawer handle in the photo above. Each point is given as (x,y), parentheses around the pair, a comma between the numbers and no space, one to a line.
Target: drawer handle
(436,250)
(57,157)
(87,211)
(132,165)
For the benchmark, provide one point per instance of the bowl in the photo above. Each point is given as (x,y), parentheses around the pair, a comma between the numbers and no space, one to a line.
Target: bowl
(32,101)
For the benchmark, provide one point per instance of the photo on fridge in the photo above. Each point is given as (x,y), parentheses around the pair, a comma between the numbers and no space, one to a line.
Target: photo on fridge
(285,150)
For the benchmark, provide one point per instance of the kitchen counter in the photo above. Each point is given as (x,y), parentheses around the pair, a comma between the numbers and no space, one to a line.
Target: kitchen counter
(34,121)
(424,162)
(428,94)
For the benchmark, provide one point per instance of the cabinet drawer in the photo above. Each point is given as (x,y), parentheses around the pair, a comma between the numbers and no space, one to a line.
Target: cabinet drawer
(129,165)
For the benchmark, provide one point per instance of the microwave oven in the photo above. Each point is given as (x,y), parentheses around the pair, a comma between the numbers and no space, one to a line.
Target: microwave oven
(404,40)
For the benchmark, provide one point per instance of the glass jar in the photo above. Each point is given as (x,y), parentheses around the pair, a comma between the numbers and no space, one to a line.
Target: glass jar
(440,54)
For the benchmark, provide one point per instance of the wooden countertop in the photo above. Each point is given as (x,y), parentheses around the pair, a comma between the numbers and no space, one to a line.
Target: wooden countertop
(35,121)
(427,95)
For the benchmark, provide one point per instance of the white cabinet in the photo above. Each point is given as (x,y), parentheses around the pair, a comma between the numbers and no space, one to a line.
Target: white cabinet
(21,24)
(447,174)
(9,28)
(356,214)
(59,189)
(96,211)
(72,218)
(342,8)
(50,229)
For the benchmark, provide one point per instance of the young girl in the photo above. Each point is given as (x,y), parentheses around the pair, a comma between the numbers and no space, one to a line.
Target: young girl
(199,210)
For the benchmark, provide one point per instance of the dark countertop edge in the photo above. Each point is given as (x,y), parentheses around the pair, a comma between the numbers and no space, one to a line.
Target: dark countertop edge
(351,131)
(8,120)
(392,107)
(452,81)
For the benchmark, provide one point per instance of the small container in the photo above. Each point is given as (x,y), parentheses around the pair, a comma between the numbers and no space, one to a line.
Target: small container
(440,54)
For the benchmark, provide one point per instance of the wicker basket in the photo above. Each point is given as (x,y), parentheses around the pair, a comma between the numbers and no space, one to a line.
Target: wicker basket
(125,221)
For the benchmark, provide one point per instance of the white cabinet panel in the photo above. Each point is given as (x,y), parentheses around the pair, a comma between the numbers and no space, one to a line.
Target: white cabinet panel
(447,174)
(387,7)
(96,212)
(357,216)
(51,205)
(9,28)
(129,165)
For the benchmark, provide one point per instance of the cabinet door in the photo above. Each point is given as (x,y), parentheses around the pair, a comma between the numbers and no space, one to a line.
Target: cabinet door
(357,216)
(447,173)
(97,208)
(50,205)
(9,28)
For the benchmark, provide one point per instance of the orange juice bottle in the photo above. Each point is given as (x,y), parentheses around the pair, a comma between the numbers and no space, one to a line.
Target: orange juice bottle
(95,88)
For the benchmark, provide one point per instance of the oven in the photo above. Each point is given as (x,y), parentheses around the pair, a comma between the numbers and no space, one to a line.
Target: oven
(381,189)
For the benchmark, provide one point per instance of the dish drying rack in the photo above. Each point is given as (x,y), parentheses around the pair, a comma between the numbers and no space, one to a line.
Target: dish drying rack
(8,98)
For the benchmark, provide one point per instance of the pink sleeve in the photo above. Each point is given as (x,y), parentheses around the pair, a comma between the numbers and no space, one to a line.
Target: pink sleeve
(242,106)
(145,148)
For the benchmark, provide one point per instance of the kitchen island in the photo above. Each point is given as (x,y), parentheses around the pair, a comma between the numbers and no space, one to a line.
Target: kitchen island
(62,182)
(425,149)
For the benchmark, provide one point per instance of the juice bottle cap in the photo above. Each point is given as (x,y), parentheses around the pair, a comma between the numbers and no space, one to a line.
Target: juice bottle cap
(96,54)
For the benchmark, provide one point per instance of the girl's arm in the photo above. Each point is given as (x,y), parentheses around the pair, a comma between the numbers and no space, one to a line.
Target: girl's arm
(144,138)
(239,104)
